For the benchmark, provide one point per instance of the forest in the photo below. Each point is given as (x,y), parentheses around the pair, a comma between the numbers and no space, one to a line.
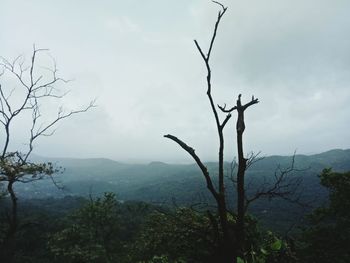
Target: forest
(252,208)
(104,228)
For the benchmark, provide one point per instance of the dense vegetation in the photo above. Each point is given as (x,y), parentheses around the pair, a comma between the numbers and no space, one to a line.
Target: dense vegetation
(327,237)
(166,184)
(75,229)
(106,229)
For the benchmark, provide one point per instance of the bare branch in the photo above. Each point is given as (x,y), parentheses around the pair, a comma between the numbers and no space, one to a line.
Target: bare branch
(284,186)
(223,7)
(5,100)
(200,51)
(61,116)
(230,172)
(252,102)
(222,126)
(220,14)
(252,158)
(203,168)
(239,106)
(206,60)
(223,109)
(11,68)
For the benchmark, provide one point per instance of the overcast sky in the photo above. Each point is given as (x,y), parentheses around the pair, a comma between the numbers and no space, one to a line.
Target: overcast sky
(139,60)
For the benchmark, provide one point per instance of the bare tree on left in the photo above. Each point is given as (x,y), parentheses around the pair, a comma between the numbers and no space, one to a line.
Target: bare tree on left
(26,87)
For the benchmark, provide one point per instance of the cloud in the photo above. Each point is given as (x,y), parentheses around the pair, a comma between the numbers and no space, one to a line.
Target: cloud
(139,60)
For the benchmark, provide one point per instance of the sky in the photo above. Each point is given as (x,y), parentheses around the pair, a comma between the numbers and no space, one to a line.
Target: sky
(138,60)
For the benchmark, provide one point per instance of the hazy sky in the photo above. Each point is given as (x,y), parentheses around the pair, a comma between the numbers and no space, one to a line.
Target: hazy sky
(139,60)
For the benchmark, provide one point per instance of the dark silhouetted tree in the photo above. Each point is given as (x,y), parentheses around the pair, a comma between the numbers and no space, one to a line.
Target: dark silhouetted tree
(232,236)
(327,237)
(226,241)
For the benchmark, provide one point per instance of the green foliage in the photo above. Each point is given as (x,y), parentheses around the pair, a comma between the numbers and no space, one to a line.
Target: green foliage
(48,224)
(105,230)
(188,236)
(171,236)
(180,236)
(159,182)
(327,238)
(162,259)
(14,167)
(266,247)
(92,233)
(339,186)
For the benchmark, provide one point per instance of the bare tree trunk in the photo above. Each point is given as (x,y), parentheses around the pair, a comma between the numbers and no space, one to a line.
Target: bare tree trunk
(229,249)
(7,140)
(242,165)
(13,217)
(9,243)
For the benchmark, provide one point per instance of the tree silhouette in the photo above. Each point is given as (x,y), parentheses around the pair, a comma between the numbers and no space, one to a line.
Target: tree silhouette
(226,242)
(231,235)
(33,90)
(242,166)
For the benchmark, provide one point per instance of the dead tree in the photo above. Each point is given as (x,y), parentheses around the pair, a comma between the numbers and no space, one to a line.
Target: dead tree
(25,100)
(231,241)
(226,242)
(282,186)
(242,167)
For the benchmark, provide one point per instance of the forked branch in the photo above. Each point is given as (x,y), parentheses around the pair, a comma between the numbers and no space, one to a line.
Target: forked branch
(206,58)
(33,89)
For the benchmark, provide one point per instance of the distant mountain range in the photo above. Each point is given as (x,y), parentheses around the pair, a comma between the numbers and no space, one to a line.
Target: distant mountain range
(182,181)
(159,182)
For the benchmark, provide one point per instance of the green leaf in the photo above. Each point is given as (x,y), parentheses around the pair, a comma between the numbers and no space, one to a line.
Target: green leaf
(276,245)
(239,260)
(264,251)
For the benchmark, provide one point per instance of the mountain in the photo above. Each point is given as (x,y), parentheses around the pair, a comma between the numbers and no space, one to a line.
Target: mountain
(161,180)
(184,184)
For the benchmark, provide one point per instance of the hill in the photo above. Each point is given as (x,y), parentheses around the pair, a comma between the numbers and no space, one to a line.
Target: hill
(183,184)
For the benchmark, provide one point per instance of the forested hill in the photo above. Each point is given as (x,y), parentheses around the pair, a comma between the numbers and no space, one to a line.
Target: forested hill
(159,181)
(183,184)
